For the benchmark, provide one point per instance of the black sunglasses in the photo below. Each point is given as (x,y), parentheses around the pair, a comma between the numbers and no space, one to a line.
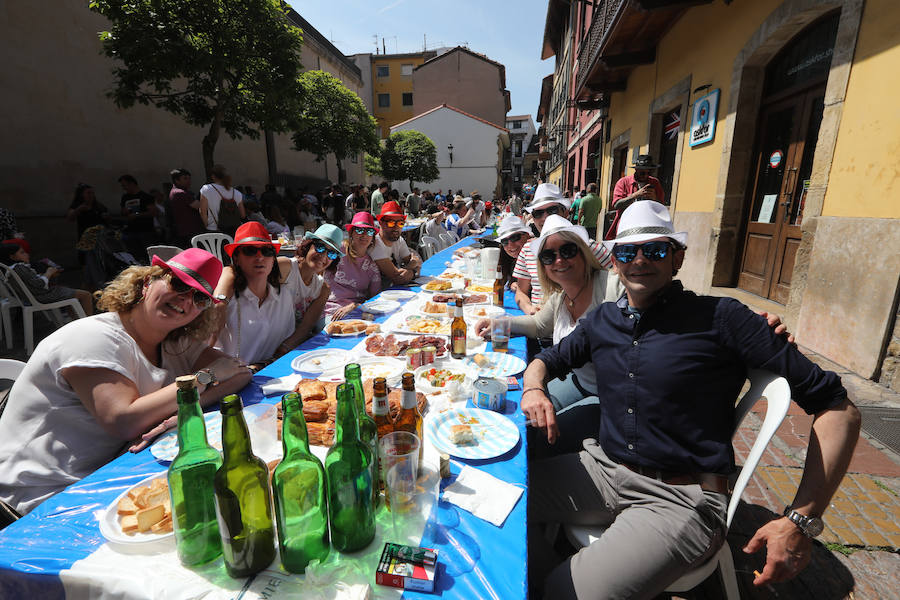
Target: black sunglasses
(320,248)
(267,251)
(201,300)
(654,251)
(550,210)
(567,251)
(363,231)
(511,239)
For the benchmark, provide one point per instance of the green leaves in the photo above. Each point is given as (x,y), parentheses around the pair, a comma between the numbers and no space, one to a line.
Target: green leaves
(409,155)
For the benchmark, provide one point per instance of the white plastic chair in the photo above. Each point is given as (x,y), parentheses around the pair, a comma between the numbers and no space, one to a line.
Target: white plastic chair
(777,392)
(164,252)
(8,301)
(30,305)
(214,243)
(447,239)
(429,246)
(10,369)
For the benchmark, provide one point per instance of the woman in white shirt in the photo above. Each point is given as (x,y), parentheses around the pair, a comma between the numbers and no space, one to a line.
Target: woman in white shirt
(259,317)
(98,382)
(212,194)
(314,255)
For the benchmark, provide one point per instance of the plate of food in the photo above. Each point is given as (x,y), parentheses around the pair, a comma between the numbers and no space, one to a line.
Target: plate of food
(165,448)
(435,377)
(318,361)
(480,288)
(443,285)
(472,433)
(417,324)
(483,311)
(380,307)
(141,514)
(350,328)
(433,308)
(370,367)
(468,299)
(495,364)
(397,295)
(397,345)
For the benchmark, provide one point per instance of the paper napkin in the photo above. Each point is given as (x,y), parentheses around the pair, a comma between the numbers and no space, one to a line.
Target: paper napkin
(483,495)
(281,385)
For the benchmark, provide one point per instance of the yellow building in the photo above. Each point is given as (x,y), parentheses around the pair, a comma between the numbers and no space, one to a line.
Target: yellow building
(788,187)
(392,87)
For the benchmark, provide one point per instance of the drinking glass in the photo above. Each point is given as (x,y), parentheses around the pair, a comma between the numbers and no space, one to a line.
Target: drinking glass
(500,333)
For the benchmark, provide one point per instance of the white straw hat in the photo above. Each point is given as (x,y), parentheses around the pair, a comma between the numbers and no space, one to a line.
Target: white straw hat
(547,194)
(645,220)
(556,224)
(510,225)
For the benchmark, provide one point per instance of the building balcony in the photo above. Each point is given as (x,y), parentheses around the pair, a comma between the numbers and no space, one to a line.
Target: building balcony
(622,35)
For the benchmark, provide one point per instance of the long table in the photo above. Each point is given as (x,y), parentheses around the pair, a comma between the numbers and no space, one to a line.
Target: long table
(57,550)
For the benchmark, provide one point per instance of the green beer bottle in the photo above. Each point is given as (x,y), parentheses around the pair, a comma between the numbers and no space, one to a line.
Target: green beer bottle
(191,476)
(368,430)
(301,512)
(243,501)
(350,484)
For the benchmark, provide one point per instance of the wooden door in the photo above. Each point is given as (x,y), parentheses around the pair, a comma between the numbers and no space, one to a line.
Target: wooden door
(788,132)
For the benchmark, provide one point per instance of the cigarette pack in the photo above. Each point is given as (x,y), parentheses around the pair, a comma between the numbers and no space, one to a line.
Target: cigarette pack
(512,383)
(401,573)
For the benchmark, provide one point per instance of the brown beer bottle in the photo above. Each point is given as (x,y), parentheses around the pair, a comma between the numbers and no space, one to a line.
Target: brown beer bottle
(458,331)
(410,419)
(381,410)
(498,286)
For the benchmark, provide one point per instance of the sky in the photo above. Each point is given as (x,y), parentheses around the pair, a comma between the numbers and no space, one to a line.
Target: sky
(507,31)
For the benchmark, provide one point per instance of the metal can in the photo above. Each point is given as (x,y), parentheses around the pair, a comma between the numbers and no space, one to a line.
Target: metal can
(489,393)
(414,358)
(429,354)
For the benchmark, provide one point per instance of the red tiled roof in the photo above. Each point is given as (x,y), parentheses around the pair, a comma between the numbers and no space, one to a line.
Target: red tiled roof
(462,112)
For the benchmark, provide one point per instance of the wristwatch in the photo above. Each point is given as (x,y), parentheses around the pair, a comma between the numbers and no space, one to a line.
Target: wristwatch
(810,526)
(206,377)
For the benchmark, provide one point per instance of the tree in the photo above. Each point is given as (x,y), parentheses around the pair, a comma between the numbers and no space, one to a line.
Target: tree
(409,155)
(373,163)
(219,64)
(333,120)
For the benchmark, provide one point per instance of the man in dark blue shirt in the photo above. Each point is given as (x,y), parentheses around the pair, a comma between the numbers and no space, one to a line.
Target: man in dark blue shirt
(670,365)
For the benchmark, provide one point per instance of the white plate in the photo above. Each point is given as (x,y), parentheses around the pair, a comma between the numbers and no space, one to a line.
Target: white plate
(503,364)
(112,530)
(489,309)
(320,360)
(381,307)
(426,388)
(371,366)
(397,295)
(403,326)
(403,337)
(494,434)
(456,286)
(337,335)
(165,448)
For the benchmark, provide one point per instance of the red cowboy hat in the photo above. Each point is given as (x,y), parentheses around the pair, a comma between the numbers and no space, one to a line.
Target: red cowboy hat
(23,244)
(390,209)
(361,219)
(196,268)
(251,233)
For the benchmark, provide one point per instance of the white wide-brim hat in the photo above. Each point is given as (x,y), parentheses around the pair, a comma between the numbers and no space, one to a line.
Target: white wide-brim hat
(511,225)
(547,194)
(645,220)
(557,224)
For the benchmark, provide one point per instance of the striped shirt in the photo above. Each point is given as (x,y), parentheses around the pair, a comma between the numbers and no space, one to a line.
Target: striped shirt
(527,265)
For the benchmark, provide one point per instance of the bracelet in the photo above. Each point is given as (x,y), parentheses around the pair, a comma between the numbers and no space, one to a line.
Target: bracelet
(534,389)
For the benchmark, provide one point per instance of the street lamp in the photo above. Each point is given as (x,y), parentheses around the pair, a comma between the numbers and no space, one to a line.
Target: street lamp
(450,150)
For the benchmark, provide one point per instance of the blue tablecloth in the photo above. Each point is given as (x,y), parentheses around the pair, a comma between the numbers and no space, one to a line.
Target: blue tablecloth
(477,559)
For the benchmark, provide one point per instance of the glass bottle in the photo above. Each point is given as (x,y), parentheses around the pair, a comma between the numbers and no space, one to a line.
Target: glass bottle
(381,413)
(191,477)
(368,432)
(498,285)
(299,487)
(243,501)
(458,331)
(348,466)
(410,419)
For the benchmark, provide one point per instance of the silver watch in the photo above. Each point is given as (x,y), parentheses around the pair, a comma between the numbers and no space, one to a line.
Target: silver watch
(206,377)
(810,526)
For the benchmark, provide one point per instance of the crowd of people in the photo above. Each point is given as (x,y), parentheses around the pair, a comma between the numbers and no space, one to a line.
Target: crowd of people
(629,389)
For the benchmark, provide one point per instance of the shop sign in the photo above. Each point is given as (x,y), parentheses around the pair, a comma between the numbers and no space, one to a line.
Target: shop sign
(775,159)
(703,121)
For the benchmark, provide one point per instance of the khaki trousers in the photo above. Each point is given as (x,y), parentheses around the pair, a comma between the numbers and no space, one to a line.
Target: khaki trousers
(656,532)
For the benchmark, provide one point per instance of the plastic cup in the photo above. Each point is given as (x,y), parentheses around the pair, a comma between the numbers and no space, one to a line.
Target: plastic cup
(400,466)
(500,333)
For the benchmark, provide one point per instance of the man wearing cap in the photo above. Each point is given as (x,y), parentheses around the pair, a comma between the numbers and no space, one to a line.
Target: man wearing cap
(397,263)
(670,365)
(639,186)
(548,200)
(459,218)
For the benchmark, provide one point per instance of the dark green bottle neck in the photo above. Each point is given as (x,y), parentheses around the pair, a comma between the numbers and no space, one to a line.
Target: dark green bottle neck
(354,379)
(294,436)
(235,436)
(191,426)
(346,424)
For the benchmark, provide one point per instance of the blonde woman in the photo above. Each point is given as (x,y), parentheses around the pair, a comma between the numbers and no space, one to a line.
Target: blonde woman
(355,277)
(101,381)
